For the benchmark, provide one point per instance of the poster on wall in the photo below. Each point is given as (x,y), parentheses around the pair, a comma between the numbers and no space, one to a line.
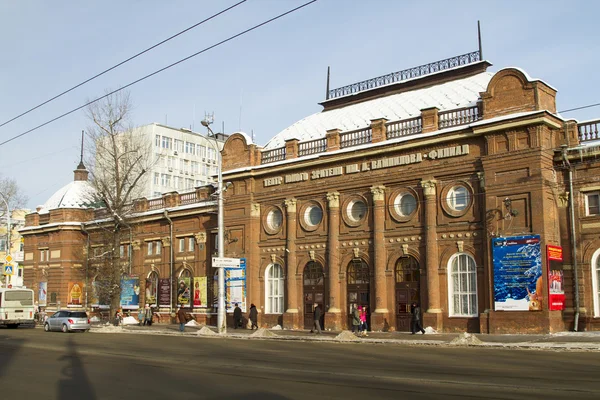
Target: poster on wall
(99,296)
(75,294)
(517,273)
(164,292)
(200,291)
(235,286)
(43,294)
(130,293)
(183,292)
(554,255)
(151,291)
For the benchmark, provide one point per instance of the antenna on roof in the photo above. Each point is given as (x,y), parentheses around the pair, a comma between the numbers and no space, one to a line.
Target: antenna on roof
(327,89)
(479,38)
(81,159)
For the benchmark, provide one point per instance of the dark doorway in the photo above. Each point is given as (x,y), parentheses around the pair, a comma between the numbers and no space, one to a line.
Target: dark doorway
(314,292)
(358,279)
(408,280)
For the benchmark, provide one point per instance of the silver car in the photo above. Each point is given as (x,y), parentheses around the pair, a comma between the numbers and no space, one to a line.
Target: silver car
(68,321)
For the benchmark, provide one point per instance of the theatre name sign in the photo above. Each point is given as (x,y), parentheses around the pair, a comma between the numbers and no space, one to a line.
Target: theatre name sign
(389,162)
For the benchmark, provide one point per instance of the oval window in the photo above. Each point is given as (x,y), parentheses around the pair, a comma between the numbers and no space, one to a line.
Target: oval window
(356,210)
(405,204)
(458,198)
(274,219)
(313,215)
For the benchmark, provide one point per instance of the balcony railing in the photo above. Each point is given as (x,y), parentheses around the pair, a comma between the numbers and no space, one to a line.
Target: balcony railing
(355,138)
(155,204)
(312,147)
(404,127)
(589,130)
(462,116)
(187,198)
(410,73)
(270,156)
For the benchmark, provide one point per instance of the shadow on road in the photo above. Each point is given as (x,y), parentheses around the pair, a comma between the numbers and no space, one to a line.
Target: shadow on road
(9,347)
(74,383)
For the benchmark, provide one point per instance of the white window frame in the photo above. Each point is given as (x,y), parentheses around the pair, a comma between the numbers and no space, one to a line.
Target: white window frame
(595,284)
(452,197)
(587,205)
(181,245)
(274,290)
(191,243)
(157,140)
(158,247)
(149,251)
(465,293)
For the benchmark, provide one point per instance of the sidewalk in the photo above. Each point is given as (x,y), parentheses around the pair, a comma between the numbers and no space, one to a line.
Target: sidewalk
(587,341)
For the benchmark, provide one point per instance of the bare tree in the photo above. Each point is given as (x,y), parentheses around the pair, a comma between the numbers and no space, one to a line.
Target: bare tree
(11,193)
(119,158)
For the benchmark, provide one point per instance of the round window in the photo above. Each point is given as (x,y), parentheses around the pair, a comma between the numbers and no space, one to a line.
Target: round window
(356,210)
(313,215)
(274,219)
(458,198)
(405,204)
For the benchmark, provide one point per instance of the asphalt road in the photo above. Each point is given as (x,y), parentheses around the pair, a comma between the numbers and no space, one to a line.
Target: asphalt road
(86,366)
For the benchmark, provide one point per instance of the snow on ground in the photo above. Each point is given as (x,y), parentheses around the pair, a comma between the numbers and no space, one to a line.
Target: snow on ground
(276,328)
(130,321)
(347,336)
(262,332)
(192,323)
(466,339)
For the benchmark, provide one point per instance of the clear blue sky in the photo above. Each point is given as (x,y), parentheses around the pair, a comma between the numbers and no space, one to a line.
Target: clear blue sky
(265,80)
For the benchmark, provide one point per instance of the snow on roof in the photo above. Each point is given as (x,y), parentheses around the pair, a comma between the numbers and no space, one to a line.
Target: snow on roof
(76,194)
(446,96)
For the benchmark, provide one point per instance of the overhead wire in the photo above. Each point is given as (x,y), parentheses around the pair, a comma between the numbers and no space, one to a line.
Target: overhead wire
(160,70)
(123,62)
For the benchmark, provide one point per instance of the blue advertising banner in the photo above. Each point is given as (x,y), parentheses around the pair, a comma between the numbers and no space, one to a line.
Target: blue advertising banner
(517,273)
(130,293)
(235,286)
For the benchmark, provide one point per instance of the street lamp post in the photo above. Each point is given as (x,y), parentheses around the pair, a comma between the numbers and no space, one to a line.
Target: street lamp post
(221,321)
(8,249)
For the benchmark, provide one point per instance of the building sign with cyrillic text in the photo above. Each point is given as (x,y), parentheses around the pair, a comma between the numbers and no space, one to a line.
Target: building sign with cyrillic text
(389,162)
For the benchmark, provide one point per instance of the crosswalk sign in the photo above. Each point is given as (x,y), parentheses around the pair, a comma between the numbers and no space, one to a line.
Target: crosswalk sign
(8,269)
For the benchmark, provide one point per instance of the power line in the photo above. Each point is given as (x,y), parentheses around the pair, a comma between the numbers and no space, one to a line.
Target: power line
(122,62)
(580,108)
(159,71)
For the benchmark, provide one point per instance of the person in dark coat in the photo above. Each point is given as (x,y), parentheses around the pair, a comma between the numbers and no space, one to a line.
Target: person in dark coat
(415,321)
(253,316)
(237,316)
(317,320)
(181,318)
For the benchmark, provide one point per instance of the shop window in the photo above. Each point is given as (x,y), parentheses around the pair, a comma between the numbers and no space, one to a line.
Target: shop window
(462,282)
(458,198)
(592,203)
(274,289)
(596,282)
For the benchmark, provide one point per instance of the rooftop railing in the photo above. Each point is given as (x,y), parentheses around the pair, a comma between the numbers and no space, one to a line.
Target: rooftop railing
(461,116)
(404,127)
(406,74)
(312,147)
(355,138)
(589,130)
(270,156)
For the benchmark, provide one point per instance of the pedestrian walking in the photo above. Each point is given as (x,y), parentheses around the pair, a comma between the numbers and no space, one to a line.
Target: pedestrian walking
(253,315)
(181,318)
(237,316)
(141,316)
(363,321)
(149,313)
(118,317)
(355,319)
(317,320)
(415,321)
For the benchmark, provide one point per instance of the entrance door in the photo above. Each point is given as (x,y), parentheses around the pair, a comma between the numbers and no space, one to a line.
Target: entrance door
(408,280)
(358,288)
(314,293)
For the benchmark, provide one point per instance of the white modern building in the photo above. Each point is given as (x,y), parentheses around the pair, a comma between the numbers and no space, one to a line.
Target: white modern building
(183,159)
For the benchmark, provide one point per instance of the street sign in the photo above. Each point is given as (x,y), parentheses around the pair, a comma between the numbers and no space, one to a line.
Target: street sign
(222,262)
(8,269)
(8,259)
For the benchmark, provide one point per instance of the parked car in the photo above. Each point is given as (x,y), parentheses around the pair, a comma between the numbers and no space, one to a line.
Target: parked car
(68,321)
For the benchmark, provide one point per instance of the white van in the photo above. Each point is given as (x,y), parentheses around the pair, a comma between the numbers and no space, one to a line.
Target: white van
(16,307)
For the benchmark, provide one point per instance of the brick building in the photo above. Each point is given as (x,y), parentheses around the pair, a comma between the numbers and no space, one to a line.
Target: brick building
(408,187)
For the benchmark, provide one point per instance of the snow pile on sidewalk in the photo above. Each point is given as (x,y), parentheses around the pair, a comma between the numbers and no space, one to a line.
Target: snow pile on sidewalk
(206,331)
(262,332)
(466,339)
(94,319)
(430,330)
(276,328)
(347,336)
(130,321)
(108,329)
(192,323)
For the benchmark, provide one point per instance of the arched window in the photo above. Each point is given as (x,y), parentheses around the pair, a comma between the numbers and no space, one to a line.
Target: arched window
(596,282)
(152,288)
(407,270)
(358,272)
(462,282)
(274,289)
(313,274)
